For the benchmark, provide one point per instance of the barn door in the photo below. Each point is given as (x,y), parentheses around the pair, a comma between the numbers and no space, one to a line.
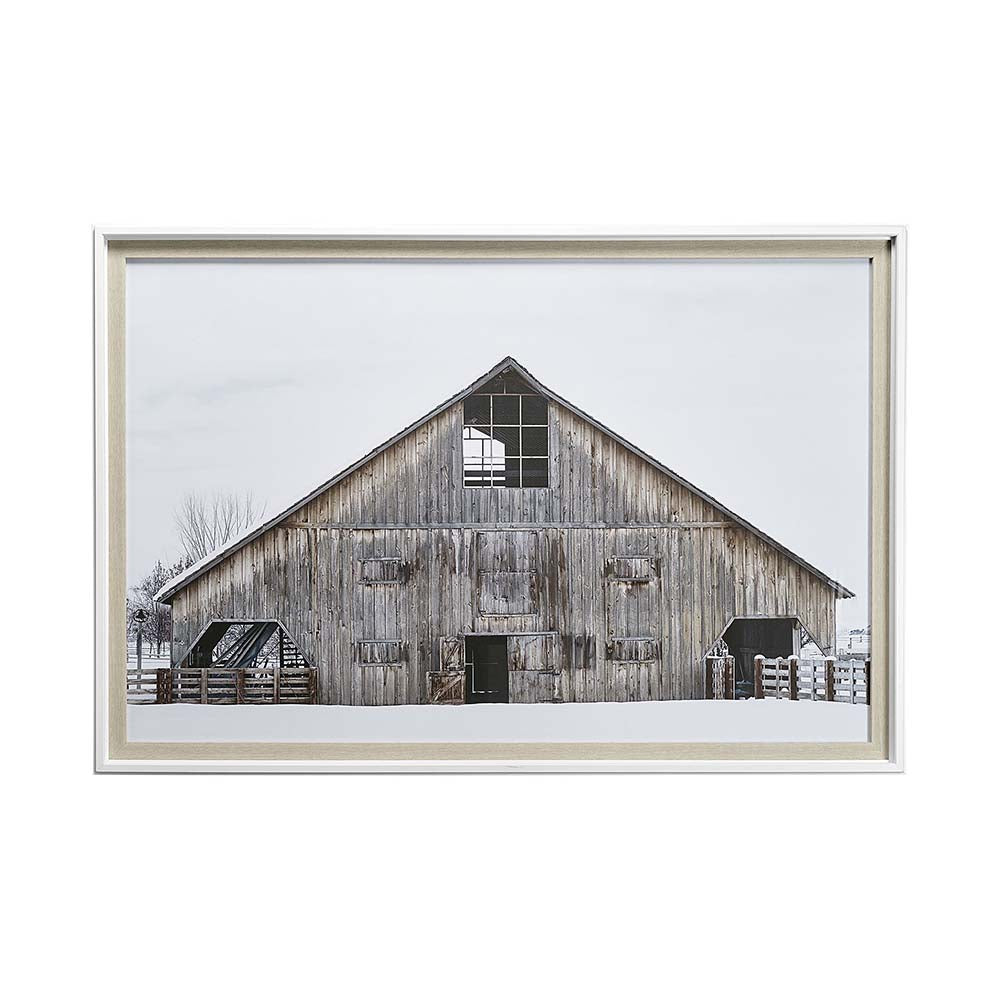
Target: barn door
(534,668)
(633,604)
(633,623)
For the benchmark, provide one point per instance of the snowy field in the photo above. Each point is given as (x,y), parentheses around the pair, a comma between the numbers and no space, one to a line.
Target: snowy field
(637,722)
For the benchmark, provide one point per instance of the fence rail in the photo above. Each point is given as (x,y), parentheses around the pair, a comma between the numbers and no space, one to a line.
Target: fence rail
(140,685)
(827,679)
(221,686)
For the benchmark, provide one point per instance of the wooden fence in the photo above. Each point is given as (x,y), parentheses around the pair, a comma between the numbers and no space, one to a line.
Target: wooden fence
(220,686)
(826,679)
(140,685)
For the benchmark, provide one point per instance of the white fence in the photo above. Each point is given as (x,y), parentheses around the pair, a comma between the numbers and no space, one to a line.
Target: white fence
(824,679)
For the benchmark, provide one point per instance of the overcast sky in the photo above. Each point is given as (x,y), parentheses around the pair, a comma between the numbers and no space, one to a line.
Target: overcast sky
(748,378)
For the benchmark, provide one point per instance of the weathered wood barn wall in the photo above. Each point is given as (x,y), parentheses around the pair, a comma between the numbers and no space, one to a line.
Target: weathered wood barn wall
(615,580)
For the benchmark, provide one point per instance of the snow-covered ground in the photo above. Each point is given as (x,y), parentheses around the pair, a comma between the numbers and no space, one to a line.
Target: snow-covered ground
(636,722)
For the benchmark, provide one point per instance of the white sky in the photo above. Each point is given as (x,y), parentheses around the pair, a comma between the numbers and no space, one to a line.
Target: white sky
(748,378)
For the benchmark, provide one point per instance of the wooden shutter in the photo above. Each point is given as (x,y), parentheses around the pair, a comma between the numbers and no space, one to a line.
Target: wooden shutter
(635,569)
(507,573)
(380,570)
(534,676)
(532,652)
(633,650)
(380,652)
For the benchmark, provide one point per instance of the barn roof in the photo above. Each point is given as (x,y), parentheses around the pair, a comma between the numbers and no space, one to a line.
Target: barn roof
(213,559)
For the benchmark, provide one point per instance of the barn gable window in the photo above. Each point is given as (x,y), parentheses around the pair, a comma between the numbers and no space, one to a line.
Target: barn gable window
(505,435)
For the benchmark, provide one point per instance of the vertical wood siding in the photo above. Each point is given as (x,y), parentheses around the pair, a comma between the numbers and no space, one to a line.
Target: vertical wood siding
(612,545)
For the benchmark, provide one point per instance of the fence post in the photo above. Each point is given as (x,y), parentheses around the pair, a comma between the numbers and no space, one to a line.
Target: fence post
(793,678)
(758,676)
(204,685)
(279,666)
(830,694)
(240,686)
(162,685)
(313,688)
(709,679)
(729,678)
(868,682)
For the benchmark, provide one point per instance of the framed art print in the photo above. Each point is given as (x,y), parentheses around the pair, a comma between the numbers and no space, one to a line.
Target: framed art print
(484,502)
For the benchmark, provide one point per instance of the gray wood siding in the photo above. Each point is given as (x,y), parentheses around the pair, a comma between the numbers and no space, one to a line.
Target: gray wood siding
(592,479)
(604,505)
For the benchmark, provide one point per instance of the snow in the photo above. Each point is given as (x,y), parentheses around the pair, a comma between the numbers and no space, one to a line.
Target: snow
(636,722)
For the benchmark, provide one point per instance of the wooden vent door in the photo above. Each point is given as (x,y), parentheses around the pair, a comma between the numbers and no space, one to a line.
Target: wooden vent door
(446,685)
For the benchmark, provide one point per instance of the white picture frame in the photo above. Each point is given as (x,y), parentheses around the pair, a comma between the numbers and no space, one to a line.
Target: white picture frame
(886,248)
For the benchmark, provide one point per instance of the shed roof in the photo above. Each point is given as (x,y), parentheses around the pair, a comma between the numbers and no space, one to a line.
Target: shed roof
(194,571)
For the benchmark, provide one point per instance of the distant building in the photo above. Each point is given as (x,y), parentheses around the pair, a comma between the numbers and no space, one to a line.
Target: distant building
(856,643)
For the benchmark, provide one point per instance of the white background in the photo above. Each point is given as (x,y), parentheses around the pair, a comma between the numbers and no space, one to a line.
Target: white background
(377,114)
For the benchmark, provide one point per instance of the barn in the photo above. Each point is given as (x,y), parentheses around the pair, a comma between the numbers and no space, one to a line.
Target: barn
(506,547)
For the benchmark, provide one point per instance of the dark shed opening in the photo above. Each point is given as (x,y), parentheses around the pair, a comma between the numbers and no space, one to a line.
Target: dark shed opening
(750,637)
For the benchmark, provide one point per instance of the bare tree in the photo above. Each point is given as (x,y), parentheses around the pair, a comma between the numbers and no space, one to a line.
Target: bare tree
(156,627)
(205,524)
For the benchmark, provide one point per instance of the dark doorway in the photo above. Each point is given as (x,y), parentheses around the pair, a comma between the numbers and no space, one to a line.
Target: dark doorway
(750,637)
(486,669)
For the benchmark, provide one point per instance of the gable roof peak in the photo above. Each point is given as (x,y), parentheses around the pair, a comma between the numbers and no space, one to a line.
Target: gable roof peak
(504,364)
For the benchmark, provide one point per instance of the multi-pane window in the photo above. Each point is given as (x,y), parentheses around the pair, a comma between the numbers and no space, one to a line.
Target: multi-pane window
(505,437)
